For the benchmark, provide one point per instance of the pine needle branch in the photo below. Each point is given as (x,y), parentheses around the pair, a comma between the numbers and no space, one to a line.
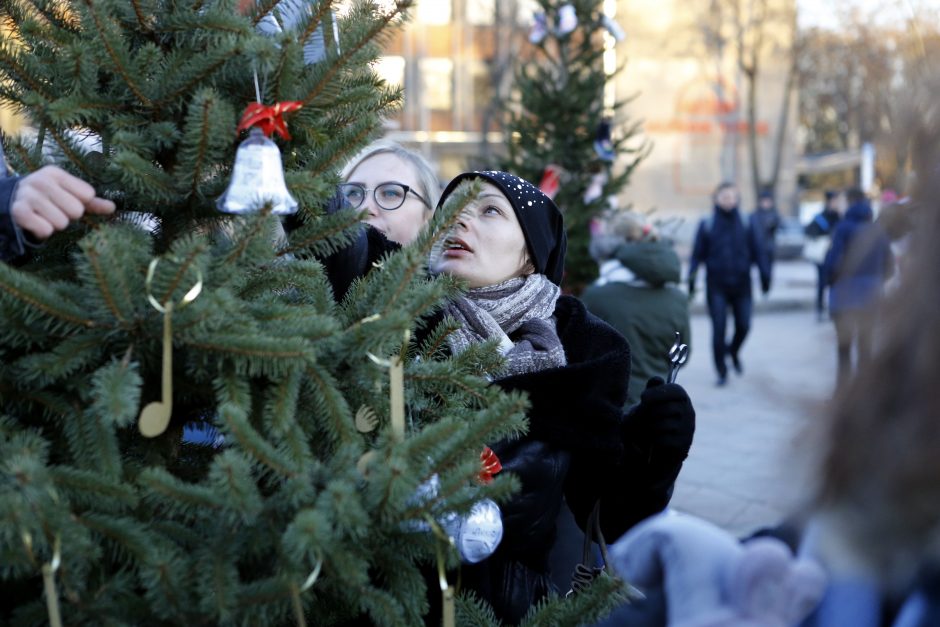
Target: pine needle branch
(69,151)
(263,8)
(338,156)
(425,243)
(316,19)
(253,442)
(141,17)
(181,271)
(40,296)
(101,276)
(202,146)
(9,59)
(377,29)
(112,53)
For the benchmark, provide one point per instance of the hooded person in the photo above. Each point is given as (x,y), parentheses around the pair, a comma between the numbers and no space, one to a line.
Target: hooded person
(637,293)
(508,246)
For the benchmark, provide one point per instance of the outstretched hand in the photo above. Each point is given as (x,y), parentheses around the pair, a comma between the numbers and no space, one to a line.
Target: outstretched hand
(50,198)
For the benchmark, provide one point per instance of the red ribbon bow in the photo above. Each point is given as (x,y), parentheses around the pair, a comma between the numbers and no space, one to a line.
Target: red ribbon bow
(268,119)
(491,465)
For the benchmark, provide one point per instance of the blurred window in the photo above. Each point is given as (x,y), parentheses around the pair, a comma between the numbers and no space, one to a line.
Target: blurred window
(437,76)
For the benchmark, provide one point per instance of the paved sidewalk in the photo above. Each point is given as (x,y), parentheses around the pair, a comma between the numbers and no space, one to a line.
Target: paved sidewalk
(748,466)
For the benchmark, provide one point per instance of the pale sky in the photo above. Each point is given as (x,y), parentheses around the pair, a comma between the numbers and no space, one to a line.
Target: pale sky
(824,13)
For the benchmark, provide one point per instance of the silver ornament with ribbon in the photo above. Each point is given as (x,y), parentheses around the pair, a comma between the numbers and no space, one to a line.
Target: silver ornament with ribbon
(257,179)
(477,534)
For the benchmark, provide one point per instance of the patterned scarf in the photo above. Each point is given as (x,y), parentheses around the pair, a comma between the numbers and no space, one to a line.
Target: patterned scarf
(522,306)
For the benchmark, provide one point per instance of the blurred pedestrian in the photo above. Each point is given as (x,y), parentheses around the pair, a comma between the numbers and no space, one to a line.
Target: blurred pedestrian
(819,233)
(637,294)
(856,267)
(877,508)
(766,220)
(728,248)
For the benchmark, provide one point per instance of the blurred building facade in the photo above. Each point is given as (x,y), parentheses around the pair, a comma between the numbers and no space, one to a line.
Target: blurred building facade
(681,67)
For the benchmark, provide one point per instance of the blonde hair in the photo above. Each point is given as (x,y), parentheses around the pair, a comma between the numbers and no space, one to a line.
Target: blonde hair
(428,184)
(632,227)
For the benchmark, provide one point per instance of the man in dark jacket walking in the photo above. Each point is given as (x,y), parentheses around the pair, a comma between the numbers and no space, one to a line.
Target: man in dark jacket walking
(728,248)
(858,263)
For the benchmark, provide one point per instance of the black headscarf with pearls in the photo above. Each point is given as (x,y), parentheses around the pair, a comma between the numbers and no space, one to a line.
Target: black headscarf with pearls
(542,224)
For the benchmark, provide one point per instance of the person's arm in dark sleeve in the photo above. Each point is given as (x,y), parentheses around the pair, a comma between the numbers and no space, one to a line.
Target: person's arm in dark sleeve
(657,434)
(529,516)
(11,237)
(759,254)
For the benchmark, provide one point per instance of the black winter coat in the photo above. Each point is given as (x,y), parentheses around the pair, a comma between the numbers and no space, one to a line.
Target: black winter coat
(574,449)
(580,447)
(728,248)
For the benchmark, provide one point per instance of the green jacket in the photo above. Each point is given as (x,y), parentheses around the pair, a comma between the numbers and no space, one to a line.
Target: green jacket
(637,295)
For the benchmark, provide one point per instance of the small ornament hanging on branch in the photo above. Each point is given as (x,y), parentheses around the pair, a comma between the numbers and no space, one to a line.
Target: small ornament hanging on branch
(567,20)
(595,188)
(491,465)
(551,180)
(539,29)
(603,145)
(258,175)
(155,417)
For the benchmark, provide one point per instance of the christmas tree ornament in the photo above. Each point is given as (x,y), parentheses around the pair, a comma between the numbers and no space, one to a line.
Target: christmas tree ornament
(258,174)
(448,607)
(491,465)
(257,179)
(603,145)
(551,180)
(596,187)
(477,534)
(48,579)
(396,374)
(567,20)
(539,29)
(155,417)
(613,28)
(366,420)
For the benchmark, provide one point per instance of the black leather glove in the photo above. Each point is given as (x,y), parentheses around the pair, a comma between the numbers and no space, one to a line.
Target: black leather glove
(764,287)
(691,287)
(663,419)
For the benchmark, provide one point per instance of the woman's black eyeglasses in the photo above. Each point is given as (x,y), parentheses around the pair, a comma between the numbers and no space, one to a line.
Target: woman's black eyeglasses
(388,196)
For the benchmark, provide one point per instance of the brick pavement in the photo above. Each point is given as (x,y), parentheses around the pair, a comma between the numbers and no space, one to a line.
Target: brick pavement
(748,466)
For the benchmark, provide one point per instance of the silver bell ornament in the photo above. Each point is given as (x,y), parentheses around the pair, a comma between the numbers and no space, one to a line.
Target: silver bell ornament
(257,179)
(477,534)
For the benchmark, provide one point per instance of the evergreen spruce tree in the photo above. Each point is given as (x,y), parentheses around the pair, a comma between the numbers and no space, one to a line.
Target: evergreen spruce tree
(308,509)
(554,118)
